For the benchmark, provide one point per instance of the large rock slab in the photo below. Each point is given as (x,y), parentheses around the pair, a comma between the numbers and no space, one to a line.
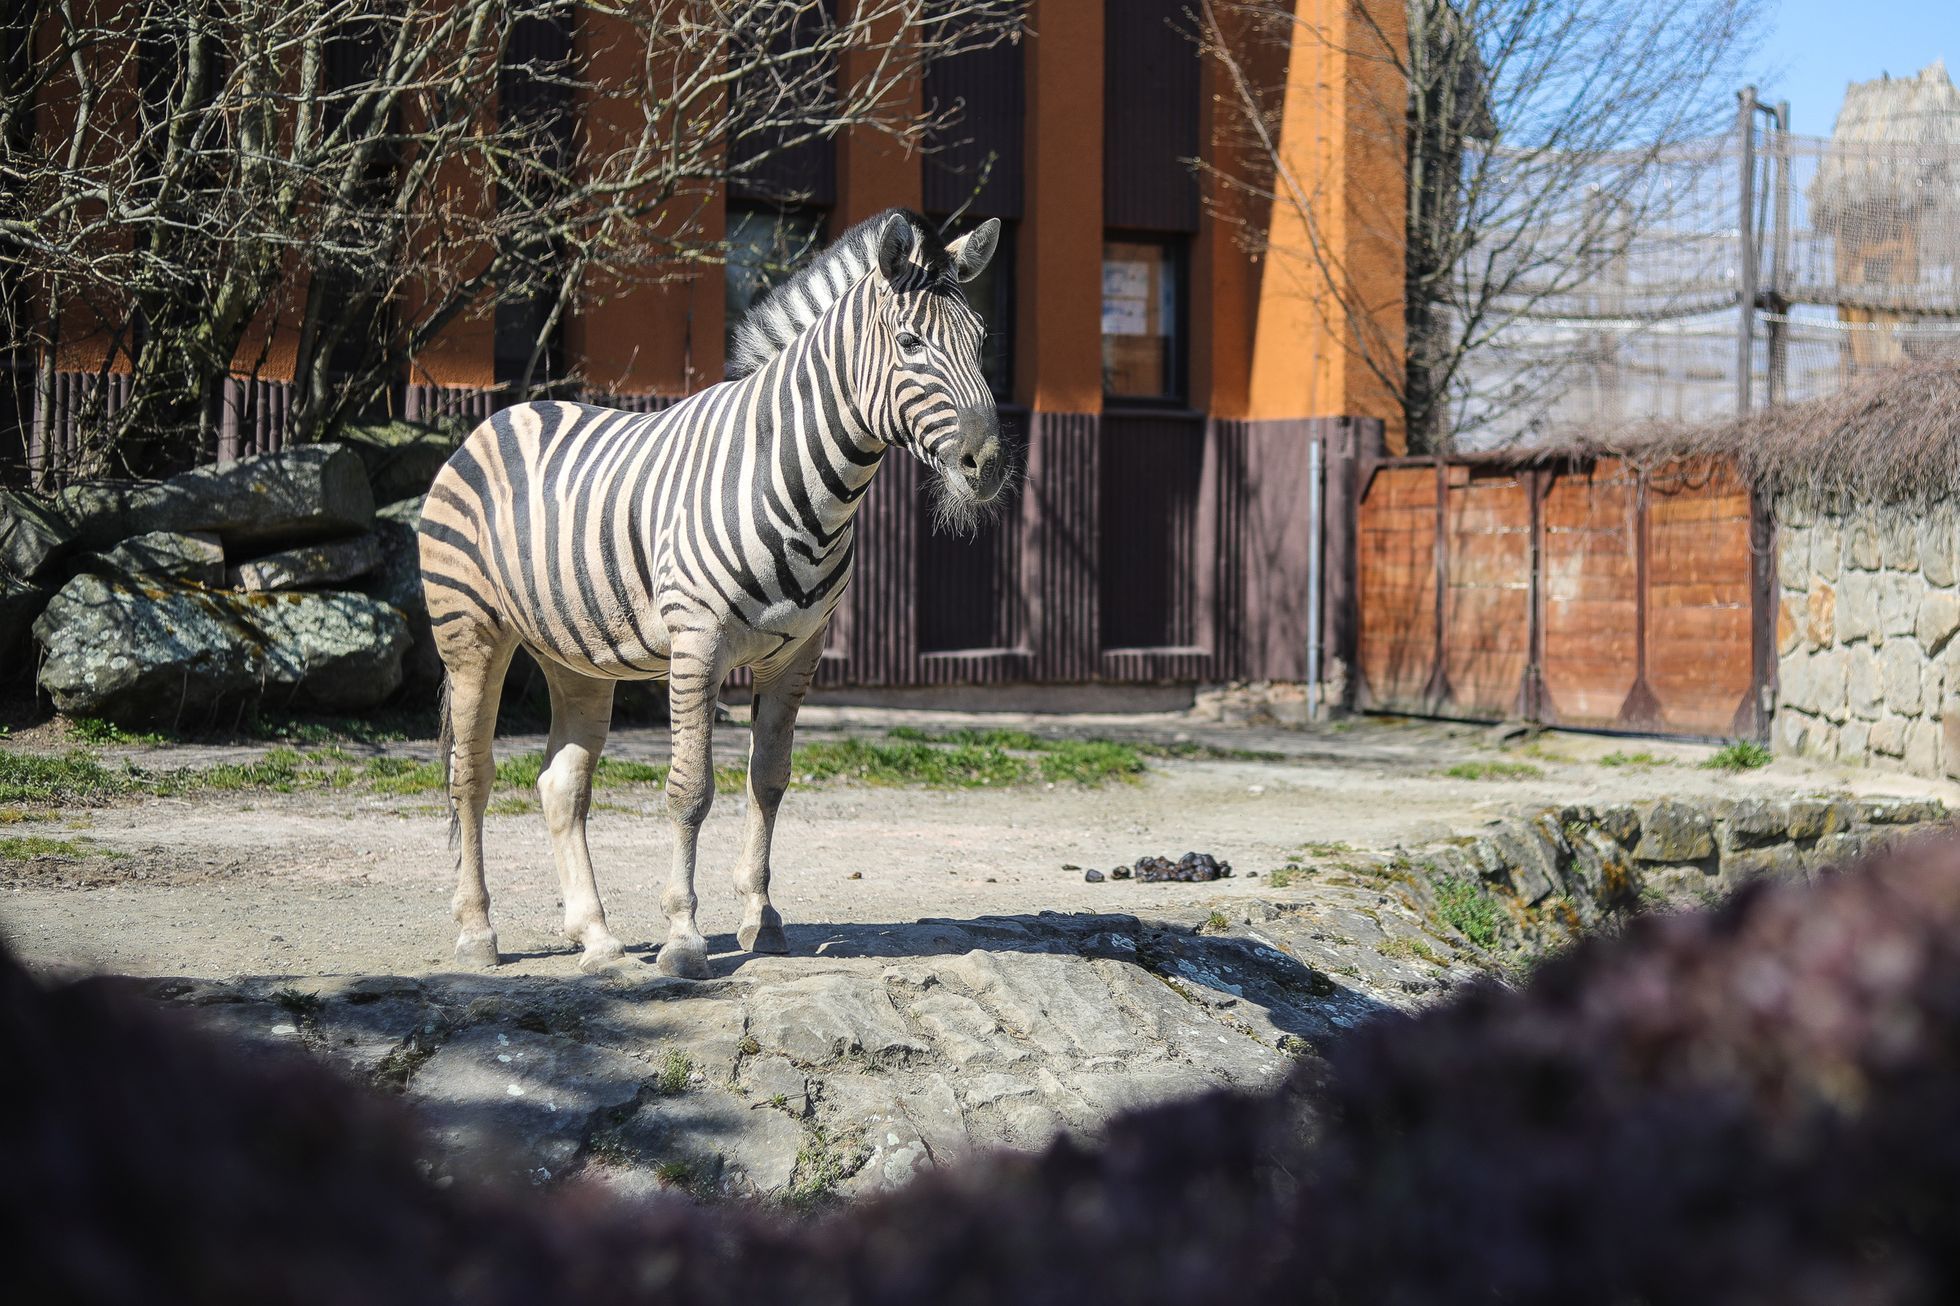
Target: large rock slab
(163,654)
(192,557)
(33,536)
(315,491)
(397,581)
(309,566)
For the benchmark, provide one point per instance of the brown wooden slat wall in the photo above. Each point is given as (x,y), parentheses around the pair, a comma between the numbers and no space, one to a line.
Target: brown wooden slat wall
(1151,481)
(1584,594)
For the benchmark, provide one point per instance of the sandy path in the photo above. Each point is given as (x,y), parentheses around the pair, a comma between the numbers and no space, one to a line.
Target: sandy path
(335,883)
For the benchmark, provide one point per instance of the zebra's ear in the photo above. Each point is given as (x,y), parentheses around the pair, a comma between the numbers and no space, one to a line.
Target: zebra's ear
(972,252)
(896,240)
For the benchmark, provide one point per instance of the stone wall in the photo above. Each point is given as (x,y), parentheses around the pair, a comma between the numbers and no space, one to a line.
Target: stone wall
(1867,609)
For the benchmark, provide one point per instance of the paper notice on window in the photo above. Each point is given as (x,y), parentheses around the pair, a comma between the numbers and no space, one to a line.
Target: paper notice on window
(1126,298)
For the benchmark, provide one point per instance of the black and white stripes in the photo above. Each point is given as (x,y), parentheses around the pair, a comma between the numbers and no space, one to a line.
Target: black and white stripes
(714,534)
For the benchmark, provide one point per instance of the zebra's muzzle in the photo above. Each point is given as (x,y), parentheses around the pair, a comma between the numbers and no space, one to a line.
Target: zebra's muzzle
(978,455)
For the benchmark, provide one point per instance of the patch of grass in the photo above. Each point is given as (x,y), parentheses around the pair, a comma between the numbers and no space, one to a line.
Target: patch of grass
(26,847)
(675,1174)
(1400,949)
(910,762)
(15,815)
(822,1163)
(72,777)
(1738,755)
(297,1003)
(676,1068)
(94,730)
(1467,909)
(1091,762)
(1633,759)
(1216,923)
(1284,876)
(1493,771)
(511,805)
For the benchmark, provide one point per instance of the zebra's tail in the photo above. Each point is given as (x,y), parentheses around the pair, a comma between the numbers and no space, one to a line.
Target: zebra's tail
(446,743)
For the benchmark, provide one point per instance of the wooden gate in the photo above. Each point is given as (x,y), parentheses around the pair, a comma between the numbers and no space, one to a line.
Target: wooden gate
(1588,593)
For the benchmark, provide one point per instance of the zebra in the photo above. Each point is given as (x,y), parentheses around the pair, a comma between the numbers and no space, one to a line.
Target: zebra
(684,543)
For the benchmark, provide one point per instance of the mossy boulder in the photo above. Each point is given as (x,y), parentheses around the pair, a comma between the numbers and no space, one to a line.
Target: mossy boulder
(311,492)
(159,653)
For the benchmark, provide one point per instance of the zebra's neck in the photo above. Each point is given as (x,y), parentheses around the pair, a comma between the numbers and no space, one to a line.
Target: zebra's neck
(807,413)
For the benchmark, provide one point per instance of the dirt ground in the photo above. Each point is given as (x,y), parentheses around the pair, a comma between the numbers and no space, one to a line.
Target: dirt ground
(337,883)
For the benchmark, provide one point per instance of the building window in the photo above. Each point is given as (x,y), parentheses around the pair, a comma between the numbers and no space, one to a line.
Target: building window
(1143,318)
(765,246)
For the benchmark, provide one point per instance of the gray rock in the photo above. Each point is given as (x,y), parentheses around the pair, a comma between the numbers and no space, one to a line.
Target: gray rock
(1754,822)
(314,491)
(1622,822)
(828,1018)
(1778,862)
(342,652)
(397,581)
(151,655)
(193,557)
(1901,811)
(169,654)
(511,1100)
(1899,664)
(1675,832)
(1533,860)
(1834,852)
(33,535)
(1814,818)
(707,1140)
(308,566)
(401,459)
(1936,552)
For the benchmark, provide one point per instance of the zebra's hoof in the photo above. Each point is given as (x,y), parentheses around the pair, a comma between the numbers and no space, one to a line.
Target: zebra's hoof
(767,937)
(683,959)
(607,956)
(478,951)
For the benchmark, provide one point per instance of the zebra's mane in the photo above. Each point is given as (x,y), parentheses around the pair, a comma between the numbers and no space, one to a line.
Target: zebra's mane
(789,310)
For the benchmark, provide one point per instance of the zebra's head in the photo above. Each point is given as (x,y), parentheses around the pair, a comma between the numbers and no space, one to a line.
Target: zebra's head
(927,393)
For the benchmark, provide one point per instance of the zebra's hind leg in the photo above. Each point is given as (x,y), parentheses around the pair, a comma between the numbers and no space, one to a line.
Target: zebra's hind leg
(694,682)
(771,734)
(476,657)
(581,713)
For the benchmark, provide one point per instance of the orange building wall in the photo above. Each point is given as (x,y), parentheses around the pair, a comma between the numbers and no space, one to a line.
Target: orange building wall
(1267,341)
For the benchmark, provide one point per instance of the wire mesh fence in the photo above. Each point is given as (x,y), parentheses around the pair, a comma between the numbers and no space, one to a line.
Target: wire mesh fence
(1848,253)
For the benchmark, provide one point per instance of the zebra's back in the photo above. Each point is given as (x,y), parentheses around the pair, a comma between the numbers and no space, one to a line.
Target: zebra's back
(536,526)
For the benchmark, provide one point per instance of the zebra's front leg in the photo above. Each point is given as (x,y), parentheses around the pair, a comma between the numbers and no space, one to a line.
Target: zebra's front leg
(694,683)
(772,731)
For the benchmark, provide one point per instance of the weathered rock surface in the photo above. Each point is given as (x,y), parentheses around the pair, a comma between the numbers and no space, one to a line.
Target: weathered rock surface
(20,603)
(194,557)
(314,491)
(904,1049)
(33,535)
(397,581)
(150,653)
(308,566)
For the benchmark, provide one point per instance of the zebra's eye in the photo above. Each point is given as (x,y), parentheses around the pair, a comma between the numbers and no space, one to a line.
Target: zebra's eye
(910,343)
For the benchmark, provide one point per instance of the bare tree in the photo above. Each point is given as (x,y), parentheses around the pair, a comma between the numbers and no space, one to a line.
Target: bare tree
(191,183)
(1531,131)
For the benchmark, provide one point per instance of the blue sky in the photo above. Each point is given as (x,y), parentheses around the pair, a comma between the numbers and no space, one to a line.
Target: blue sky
(1815,46)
